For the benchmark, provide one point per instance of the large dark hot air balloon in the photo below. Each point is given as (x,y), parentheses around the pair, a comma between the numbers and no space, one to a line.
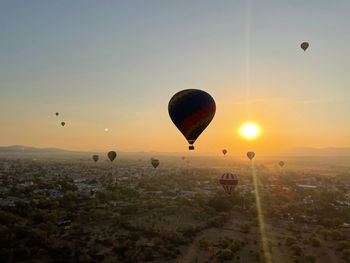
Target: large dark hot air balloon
(111,155)
(95,158)
(250,155)
(191,111)
(155,162)
(304,46)
(224,151)
(228,181)
(281,163)
(63,123)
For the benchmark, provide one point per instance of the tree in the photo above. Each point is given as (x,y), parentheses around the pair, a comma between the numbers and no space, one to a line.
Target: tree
(297,250)
(310,258)
(244,228)
(315,241)
(204,243)
(290,240)
(225,254)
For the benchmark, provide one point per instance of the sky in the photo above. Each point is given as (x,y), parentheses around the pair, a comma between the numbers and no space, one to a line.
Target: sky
(116,64)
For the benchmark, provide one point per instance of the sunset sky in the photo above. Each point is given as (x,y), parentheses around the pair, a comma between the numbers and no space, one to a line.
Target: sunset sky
(116,64)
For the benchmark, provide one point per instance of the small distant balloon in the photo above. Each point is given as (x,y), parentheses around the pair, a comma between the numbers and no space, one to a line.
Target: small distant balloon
(191,111)
(224,151)
(250,155)
(155,162)
(111,155)
(304,46)
(228,181)
(63,123)
(95,158)
(183,157)
(281,163)
(57,113)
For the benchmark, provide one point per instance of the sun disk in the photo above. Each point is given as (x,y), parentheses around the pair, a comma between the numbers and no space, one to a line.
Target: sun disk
(250,130)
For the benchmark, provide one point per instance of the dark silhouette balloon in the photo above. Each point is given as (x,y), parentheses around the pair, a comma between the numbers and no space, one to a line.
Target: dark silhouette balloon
(63,123)
(228,181)
(191,111)
(57,113)
(304,46)
(281,163)
(250,155)
(111,155)
(95,158)
(224,151)
(155,163)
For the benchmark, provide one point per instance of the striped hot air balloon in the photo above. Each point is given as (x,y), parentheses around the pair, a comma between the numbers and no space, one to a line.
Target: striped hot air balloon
(228,181)
(191,111)
(155,163)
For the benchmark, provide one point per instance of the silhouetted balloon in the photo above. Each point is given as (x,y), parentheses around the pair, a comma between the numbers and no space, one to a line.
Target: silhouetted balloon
(155,163)
(111,155)
(57,113)
(228,181)
(95,157)
(250,155)
(304,46)
(224,151)
(191,111)
(281,163)
(63,123)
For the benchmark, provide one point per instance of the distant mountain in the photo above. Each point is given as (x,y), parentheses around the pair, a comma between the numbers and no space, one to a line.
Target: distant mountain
(299,151)
(308,151)
(26,149)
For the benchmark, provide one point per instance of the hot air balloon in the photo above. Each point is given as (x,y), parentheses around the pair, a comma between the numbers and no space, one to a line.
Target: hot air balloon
(57,113)
(155,163)
(183,157)
(191,111)
(304,46)
(95,157)
(111,155)
(63,123)
(224,151)
(281,163)
(250,155)
(228,181)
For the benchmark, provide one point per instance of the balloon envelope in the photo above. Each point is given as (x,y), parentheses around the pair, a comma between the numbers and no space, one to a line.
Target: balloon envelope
(111,155)
(281,163)
(57,113)
(224,151)
(228,181)
(95,157)
(63,123)
(191,111)
(304,45)
(155,163)
(250,155)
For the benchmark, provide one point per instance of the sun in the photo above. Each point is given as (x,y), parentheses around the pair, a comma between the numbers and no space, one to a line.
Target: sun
(250,130)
